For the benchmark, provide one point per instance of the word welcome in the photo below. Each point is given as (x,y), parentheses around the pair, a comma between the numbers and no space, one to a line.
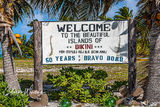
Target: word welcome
(83,27)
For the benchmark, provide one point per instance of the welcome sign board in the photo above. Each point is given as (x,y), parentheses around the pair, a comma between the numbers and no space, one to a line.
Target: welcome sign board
(85,42)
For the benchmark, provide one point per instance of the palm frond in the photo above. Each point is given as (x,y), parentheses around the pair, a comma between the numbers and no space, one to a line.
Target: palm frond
(124,14)
(77,9)
(20,8)
(119,17)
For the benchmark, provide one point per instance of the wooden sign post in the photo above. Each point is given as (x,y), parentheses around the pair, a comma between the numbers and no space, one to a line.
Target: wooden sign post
(38,78)
(132,56)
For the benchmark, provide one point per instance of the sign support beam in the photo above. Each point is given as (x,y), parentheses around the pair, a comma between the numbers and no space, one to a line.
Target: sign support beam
(38,78)
(132,56)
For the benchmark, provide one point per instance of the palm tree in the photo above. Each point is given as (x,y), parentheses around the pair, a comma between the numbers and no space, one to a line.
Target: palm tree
(143,41)
(27,48)
(75,9)
(11,11)
(151,13)
(124,14)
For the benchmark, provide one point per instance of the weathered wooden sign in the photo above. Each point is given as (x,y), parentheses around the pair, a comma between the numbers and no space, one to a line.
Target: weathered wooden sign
(85,42)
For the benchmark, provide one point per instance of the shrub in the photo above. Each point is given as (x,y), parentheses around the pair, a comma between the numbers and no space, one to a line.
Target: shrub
(25,84)
(10,98)
(82,85)
(117,84)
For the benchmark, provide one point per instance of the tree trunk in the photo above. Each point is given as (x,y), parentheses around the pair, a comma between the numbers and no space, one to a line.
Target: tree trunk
(8,62)
(153,87)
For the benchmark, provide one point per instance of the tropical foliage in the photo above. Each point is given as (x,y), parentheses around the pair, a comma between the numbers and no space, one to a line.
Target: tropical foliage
(9,98)
(143,33)
(14,10)
(104,18)
(27,49)
(147,14)
(77,9)
(124,14)
(26,46)
(82,85)
(149,11)
(143,38)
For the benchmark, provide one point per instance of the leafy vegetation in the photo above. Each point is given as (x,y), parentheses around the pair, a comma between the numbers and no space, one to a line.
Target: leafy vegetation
(124,14)
(117,84)
(15,10)
(25,83)
(11,98)
(82,85)
(77,9)
(27,46)
(143,32)
(150,13)
(27,49)
(143,45)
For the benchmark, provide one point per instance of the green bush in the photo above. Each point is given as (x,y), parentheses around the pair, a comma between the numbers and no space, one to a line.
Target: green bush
(10,98)
(82,85)
(117,84)
(25,84)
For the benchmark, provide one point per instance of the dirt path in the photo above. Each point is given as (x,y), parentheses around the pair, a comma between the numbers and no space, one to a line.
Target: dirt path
(32,70)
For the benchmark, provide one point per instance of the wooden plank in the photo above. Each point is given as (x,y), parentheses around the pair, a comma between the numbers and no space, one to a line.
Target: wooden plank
(132,56)
(38,78)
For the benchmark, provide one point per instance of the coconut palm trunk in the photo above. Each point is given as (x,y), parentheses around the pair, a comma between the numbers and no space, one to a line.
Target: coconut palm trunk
(153,86)
(150,13)
(11,11)
(8,62)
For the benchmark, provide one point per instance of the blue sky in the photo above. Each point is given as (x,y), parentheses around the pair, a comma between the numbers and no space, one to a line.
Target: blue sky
(22,28)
